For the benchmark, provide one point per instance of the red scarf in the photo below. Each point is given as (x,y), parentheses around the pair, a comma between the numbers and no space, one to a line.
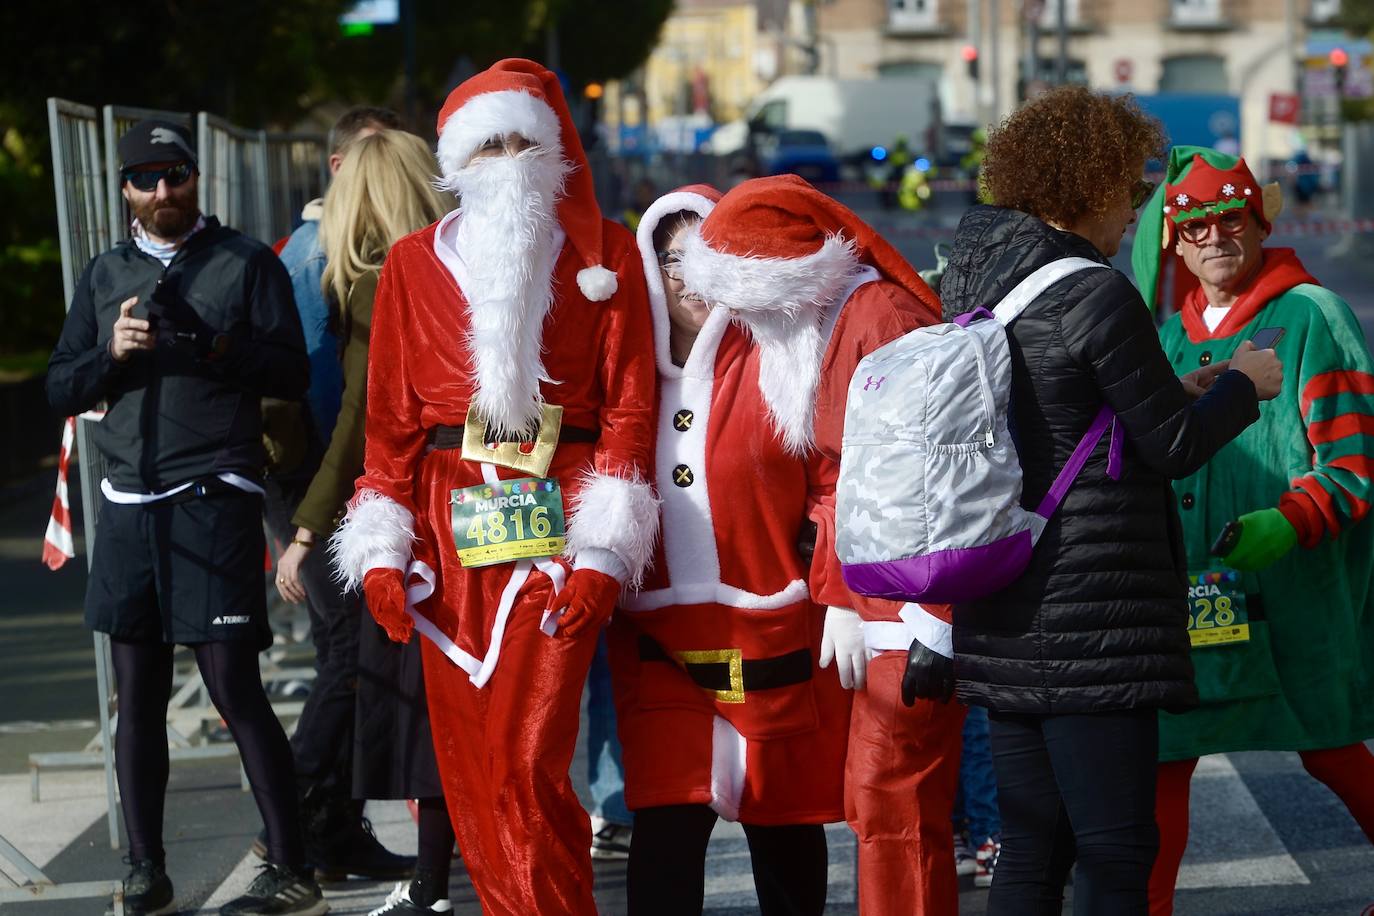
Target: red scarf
(1280,272)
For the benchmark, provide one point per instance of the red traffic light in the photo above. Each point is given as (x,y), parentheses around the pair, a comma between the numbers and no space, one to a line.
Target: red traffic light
(969,53)
(1339,57)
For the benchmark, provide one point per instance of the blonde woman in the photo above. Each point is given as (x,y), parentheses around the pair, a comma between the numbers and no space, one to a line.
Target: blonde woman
(383,191)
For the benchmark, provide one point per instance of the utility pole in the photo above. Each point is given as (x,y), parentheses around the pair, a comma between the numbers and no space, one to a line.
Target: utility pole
(995,58)
(975,39)
(1030,19)
(1061,61)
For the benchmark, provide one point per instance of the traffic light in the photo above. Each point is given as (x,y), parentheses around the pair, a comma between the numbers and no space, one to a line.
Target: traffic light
(1340,59)
(970,55)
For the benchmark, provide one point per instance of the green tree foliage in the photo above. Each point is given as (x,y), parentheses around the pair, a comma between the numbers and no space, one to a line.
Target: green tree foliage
(260,63)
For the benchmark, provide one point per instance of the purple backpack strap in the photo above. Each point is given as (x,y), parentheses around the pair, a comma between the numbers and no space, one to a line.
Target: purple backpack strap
(1074,466)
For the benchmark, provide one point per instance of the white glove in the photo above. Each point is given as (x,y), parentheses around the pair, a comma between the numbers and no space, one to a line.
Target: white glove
(842,641)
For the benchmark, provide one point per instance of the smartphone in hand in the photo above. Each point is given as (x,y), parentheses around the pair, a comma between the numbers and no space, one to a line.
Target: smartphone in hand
(1228,539)
(1266,338)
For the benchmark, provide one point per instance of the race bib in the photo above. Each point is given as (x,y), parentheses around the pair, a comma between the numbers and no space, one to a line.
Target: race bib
(1217,616)
(507,520)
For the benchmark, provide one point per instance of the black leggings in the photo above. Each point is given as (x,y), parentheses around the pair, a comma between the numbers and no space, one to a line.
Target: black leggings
(143,675)
(667,870)
(1075,788)
(435,852)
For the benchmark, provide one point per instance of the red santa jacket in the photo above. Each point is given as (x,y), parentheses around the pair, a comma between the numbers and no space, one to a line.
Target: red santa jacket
(599,368)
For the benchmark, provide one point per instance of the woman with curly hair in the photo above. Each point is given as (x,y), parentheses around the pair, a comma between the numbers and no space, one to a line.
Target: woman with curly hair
(1075,658)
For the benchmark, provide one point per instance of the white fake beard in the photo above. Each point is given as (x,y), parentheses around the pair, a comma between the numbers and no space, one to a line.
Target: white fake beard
(505,238)
(790,353)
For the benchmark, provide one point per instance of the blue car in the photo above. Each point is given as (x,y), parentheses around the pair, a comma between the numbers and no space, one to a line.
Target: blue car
(799,152)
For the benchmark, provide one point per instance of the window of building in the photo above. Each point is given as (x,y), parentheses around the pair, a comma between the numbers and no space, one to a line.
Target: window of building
(1195,12)
(1049,14)
(1199,73)
(913,14)
(1325,10)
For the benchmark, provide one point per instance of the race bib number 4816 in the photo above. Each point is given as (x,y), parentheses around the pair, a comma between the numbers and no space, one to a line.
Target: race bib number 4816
(508,520)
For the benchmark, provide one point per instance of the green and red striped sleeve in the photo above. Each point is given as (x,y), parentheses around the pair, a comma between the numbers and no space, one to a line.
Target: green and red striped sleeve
(1337,404)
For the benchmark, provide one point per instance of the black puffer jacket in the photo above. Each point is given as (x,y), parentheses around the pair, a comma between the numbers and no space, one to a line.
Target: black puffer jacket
(1098,622)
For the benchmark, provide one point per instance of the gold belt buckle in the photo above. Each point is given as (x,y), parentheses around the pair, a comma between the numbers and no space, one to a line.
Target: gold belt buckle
(535,462)
(734,658)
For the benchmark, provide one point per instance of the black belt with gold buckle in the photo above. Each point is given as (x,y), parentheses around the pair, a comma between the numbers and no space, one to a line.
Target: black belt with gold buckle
(730,675)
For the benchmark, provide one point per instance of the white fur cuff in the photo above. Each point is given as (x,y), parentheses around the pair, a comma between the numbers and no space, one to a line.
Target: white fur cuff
(597,283)
(376,533)
(617,514)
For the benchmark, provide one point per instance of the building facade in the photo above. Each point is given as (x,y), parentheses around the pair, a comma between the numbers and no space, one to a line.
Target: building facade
(1246,48)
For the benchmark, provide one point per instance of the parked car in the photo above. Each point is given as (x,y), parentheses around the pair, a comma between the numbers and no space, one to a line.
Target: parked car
(799,152)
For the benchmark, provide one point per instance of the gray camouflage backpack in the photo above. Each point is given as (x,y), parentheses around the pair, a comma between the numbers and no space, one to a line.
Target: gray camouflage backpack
(928,504)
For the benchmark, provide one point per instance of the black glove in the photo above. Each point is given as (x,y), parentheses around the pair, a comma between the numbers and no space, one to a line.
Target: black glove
(929,675)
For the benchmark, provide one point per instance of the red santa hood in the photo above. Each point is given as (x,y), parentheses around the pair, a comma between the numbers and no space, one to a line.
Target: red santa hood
(782,257)
(517,96)
(694,198)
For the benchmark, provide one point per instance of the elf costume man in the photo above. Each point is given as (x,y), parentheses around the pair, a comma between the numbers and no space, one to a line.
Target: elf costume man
(504,499)
(816,289)
(1283,619)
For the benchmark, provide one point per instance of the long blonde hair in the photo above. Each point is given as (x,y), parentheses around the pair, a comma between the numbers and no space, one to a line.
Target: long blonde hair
(383,191)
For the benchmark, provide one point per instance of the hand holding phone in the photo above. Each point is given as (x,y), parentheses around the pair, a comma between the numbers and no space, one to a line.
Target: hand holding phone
(1228,539)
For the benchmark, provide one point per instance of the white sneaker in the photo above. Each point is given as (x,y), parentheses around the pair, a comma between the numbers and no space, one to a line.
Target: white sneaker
(398,903)
(610,840)
(965,863)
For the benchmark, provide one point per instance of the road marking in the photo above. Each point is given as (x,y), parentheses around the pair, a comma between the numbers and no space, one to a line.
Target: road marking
(1231,843)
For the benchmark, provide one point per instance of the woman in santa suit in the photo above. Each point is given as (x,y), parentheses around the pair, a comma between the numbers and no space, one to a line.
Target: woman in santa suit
(724,709)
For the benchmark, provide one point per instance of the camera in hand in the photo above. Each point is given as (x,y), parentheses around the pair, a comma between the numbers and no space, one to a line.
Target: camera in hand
(177,323)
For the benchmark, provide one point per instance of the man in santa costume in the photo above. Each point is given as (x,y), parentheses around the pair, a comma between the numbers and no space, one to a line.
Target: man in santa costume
(504,500)
(816,289)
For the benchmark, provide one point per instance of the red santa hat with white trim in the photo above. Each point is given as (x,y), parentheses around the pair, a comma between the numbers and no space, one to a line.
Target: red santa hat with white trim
(517,96)
(778,243)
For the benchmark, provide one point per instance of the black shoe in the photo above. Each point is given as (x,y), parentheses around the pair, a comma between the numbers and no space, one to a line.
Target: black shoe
(279,890)
(147,889)
(349,847)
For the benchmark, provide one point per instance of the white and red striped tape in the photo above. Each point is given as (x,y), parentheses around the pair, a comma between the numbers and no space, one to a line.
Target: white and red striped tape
(58,544)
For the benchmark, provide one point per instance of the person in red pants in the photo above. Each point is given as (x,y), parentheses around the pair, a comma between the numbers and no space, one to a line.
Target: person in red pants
(504,499)
(817,289)
(1279,544)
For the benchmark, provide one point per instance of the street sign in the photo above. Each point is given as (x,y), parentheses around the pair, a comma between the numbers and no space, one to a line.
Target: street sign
(1124,68)
(1283,108)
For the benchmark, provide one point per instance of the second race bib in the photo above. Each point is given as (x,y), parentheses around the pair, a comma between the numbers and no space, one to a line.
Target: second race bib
(1217,614)
(508,520)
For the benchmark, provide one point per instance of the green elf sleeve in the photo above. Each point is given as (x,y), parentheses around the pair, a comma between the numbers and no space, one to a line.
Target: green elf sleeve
(1336,385)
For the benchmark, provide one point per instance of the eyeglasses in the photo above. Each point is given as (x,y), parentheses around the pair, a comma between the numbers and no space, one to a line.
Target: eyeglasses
(175,176)
(510,144)
(1229,223)
(1141,192)
(671,262)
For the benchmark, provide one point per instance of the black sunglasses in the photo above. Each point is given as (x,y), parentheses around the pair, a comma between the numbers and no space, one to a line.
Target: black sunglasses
(1141,192)
(175,176)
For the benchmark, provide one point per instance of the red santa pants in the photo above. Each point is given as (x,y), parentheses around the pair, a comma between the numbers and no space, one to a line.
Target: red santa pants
(504,753)
(900,781)
(1348,771)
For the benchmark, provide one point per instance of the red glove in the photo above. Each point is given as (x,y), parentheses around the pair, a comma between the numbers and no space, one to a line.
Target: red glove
(384,589)
(586,602)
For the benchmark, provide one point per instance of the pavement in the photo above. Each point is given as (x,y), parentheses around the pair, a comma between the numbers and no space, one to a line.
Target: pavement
(1266,839)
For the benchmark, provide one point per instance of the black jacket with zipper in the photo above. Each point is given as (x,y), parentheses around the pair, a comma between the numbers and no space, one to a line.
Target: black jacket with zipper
(189,408)
(1098,621)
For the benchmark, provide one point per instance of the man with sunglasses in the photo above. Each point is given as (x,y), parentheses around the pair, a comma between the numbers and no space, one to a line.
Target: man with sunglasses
(181,330)
(1280,554)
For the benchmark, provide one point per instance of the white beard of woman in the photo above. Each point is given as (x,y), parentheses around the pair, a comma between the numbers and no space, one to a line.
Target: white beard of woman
(505,238)
(790,352)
